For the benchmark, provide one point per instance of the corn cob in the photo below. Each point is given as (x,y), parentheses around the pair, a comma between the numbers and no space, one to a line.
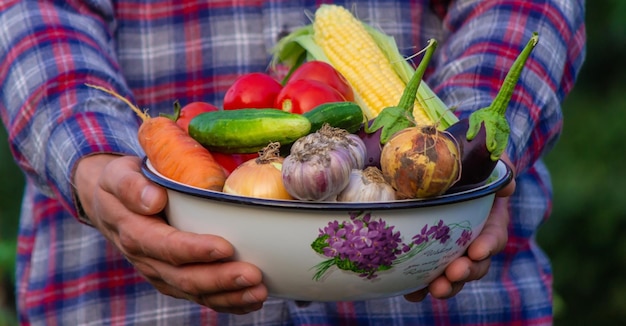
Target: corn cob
(355,54)
(368,58)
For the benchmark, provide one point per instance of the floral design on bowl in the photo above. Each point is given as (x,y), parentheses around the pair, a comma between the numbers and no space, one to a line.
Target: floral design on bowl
(366,246)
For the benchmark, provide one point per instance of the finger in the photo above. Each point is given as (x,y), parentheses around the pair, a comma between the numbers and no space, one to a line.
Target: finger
(464,269)
(242,301)
(417,296)
(145,236)
(139,235)
(237,310)
(199,279)
(150,237)
(509,189)
(234,302)
(123,179)
(442,288)
(223,285)
(494,235)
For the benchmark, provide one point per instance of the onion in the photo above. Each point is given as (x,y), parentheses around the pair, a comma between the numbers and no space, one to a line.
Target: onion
(319,164)
(260,177)
(367,185)
(421,162)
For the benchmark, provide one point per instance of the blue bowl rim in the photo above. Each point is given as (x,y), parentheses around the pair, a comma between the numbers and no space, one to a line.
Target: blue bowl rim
(477,192)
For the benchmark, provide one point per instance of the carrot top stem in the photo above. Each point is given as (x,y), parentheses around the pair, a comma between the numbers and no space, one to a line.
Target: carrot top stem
(492,117)
(142,114)
(175,115)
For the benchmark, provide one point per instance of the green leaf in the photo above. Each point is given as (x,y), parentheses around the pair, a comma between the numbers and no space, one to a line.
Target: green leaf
(391,120)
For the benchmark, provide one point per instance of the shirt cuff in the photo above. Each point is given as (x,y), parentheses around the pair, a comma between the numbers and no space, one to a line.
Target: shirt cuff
(84,134)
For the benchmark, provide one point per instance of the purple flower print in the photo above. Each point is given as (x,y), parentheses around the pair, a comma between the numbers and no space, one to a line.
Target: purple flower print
(361,245)
(465,237)
(366,246)
(440,232)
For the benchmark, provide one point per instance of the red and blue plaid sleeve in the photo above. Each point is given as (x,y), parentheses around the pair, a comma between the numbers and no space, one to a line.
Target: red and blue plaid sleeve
(485,38)
(49,51)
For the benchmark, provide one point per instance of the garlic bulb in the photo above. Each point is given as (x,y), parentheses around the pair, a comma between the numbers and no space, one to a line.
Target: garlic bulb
(367,186)
(319,164)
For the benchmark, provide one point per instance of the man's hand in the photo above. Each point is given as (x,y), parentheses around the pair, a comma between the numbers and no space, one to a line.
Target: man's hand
(123,205)
(475,264)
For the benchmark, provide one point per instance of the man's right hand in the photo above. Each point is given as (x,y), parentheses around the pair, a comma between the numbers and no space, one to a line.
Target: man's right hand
(124,206)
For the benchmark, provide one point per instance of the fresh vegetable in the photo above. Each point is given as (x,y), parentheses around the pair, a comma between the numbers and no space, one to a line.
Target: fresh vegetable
(421,162)
(372,143)
(344,115)
(250,91)
(367,58)
(484,135)
(230,161)
(394,118)
(418,161)
(325,73)
(260,177)
(183,116)
(367,185)
(247,130)
(173,153)
(319,164)
(303,95)
(397,117)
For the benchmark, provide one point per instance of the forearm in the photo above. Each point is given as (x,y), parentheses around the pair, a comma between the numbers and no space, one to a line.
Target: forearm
(52,118)
(485,38)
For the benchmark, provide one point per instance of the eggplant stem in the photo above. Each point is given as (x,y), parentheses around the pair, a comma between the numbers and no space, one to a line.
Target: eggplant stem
(493,117)
(407,100)
(505,93)
(395,118)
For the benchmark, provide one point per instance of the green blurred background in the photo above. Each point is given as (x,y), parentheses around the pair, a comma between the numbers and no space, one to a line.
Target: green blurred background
(585,235)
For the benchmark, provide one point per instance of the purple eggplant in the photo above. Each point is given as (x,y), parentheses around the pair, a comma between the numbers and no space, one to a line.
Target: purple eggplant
(372,144)
(483,137)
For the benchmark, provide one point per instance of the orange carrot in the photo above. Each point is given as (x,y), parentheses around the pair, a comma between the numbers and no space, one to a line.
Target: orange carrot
(173,153)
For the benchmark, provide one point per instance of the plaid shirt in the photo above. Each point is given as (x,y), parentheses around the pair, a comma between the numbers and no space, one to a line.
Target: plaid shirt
(158,51)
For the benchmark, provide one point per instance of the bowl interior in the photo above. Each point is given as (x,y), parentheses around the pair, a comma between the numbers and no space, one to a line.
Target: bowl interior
(500,177)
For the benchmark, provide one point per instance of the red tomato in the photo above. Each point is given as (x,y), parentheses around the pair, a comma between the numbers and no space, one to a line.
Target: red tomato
(231,161)
(191,110)
(325,73)
(254,90)
(303,95)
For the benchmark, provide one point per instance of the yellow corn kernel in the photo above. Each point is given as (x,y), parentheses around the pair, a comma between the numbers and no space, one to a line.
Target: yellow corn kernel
(355,54)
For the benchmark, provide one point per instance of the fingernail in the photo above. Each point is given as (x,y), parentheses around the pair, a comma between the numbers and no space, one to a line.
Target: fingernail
(148,196)
(249,298)
(242,282)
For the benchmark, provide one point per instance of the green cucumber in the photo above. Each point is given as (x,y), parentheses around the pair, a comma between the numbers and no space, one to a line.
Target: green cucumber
(344,115)
(247,130)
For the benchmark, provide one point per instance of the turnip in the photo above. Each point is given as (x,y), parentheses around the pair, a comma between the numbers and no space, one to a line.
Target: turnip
(421,162)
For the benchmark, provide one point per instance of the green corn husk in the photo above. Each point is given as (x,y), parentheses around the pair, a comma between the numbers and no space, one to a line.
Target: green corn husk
(299,46)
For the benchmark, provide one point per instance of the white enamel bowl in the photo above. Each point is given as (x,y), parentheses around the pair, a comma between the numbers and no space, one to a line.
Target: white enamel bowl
(329,251)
